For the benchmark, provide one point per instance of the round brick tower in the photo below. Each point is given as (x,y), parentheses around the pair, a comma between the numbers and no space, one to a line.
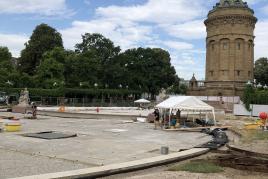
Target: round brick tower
(230,47)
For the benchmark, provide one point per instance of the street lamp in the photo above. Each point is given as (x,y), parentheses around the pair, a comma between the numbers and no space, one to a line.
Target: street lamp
(259,85)
(249,83)
(9,83)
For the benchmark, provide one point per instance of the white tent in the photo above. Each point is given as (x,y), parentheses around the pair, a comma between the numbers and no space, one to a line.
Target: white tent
(186,103)
(142,101)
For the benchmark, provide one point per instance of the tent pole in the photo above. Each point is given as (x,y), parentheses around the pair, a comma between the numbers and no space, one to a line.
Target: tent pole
(214,117)
(169,116)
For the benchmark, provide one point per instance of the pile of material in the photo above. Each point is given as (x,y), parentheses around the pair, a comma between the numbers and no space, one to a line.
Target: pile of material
(220,138)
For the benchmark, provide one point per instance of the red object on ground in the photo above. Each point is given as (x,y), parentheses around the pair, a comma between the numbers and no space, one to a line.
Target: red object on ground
(263,115)
(98,109)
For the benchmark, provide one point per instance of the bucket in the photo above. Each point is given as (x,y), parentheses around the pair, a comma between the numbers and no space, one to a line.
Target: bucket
(164,150)
(13,127)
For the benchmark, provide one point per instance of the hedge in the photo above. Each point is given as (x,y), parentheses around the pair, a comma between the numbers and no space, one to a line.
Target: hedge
(255,96)
(71,92)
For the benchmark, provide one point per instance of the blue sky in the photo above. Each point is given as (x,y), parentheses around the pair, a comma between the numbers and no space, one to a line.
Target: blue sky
(174,25)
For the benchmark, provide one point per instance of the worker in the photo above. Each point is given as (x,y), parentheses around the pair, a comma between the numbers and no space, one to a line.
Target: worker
(34,111)
(156,119)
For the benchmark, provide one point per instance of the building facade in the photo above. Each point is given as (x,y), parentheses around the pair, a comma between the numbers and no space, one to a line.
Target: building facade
(230,49)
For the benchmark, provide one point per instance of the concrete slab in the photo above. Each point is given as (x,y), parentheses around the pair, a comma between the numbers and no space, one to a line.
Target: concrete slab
(95,145)
(121,167)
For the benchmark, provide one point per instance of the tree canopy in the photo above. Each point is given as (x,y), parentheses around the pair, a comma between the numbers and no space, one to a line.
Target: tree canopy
(95,62)
(44,38)
(261,71)
(6,67)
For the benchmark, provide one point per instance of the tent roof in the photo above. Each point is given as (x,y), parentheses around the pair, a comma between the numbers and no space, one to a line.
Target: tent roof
(142,101)
(187,103)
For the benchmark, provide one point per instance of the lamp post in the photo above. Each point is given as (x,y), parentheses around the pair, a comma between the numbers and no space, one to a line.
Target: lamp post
(259,86)
(249,83)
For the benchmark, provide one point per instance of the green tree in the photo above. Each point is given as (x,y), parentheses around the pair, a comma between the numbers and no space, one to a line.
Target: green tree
(178,87)
(248,96)
(261,71)
(100,48)
(43,39)
(148,69)
(50,73)
(82,70)
(6,67)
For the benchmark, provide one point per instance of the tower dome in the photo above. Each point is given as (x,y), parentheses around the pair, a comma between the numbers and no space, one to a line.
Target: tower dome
(226,3)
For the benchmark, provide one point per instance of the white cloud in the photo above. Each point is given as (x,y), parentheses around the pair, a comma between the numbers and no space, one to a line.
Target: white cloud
(87,2)
(127,34)
(14,42)
(188,30)
(160,11)
(176,45)
(261,39)
(265,9)
(41,7)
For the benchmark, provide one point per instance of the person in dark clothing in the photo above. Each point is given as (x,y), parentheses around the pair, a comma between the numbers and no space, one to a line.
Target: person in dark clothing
(157,118)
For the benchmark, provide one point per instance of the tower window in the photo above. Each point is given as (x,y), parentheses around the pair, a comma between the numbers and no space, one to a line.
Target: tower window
(211,73)
(225,46)
(249,46)
(249,73)
(212,46)
(238,46)
(238,73)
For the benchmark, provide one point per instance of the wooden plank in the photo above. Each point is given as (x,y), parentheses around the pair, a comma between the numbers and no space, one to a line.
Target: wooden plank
(199,128)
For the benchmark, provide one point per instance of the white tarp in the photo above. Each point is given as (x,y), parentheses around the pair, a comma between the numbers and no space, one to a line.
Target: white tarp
(186,103)
(142,101)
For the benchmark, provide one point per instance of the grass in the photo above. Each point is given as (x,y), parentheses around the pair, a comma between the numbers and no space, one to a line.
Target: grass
(198,167)
(252,135)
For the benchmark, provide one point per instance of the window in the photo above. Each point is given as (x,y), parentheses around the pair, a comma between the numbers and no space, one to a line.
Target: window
(238,46)
(249,46)
(249,73)
(238,73)
(212,46)
(211,73)
(225,46)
